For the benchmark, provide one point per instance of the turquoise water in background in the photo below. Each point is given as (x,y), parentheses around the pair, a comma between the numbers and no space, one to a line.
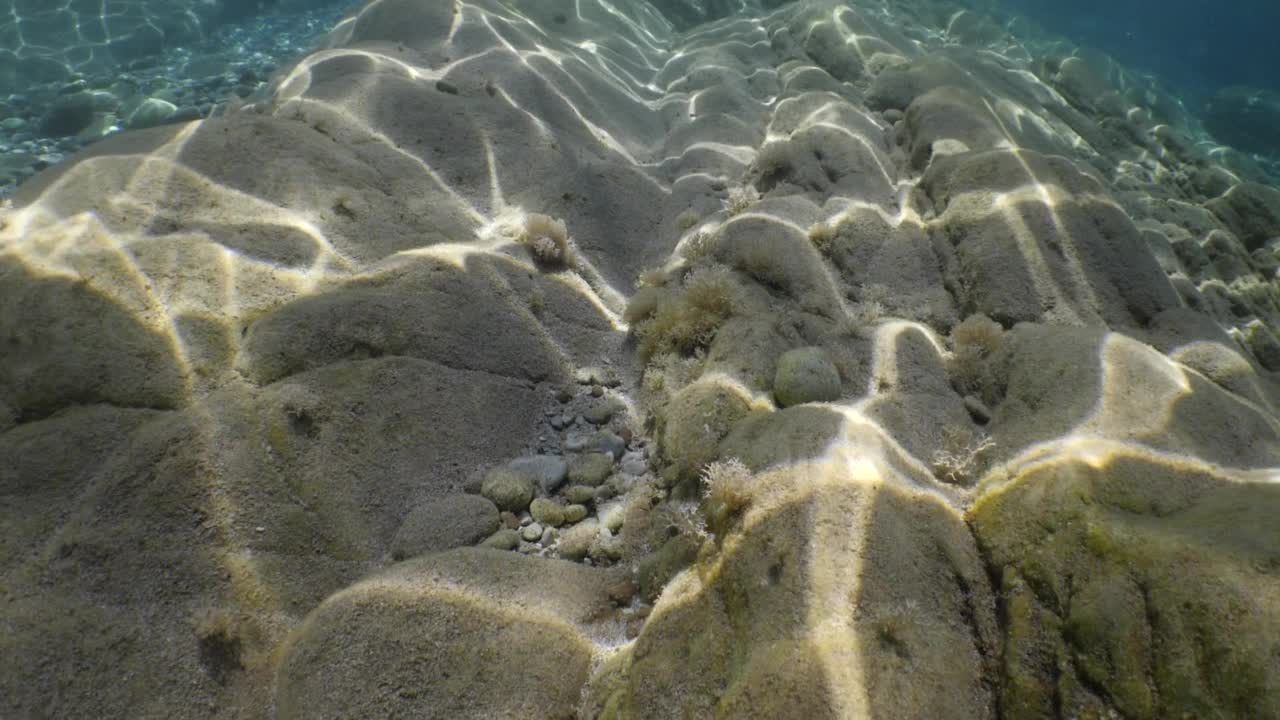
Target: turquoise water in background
(69,77)
(1194,45)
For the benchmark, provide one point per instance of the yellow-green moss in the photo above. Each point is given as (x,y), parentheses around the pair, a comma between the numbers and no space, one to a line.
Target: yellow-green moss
(1136,586)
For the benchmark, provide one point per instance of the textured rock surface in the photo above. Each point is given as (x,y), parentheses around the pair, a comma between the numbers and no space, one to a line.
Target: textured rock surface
(241,358)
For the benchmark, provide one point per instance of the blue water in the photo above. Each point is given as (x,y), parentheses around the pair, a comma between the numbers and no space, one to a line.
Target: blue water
(1221,58)
(1193,45)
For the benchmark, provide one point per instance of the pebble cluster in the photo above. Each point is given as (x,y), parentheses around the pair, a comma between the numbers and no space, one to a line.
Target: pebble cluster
(46,122)
(565,499)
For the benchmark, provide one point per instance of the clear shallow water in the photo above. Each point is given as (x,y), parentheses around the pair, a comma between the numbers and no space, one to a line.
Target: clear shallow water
(68,78)
(1194,45)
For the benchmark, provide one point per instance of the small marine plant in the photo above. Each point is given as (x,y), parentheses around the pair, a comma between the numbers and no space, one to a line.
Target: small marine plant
(823,234)
(699,247)
(962,457)
(863,316)
(973,342)
(548,240)
(740,198)
(687,317)
(726,492)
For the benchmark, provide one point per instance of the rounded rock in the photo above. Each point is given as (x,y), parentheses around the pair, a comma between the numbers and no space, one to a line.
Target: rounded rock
(805,375)
(547,512)
(590,469)
(450,522)
(574,513)
(509,490)
(580,494)
(548,471)
(152,112)
(576,542)
(505,539)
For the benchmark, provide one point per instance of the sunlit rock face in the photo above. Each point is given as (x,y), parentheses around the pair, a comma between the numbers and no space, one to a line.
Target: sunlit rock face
(1024,467)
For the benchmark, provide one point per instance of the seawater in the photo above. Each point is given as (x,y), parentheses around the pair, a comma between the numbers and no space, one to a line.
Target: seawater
(69,77)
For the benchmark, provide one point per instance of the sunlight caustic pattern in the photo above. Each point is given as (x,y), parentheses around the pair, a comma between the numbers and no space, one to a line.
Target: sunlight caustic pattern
(361,294)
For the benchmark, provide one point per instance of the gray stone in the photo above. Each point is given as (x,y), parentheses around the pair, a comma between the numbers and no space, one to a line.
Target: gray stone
(532,532)
(590,469)
(13,123)
(633,463)
(600,414)
(505,539)
(548,471)
(607,442)
(150,113)
(980,413)
(444,524)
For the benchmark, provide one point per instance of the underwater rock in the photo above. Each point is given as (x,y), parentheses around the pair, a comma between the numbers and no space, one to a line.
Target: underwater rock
(1037,308)
(1158,552)
(590,469)
(152,112)
(451,522)
(805,375)
(509,490)
(408,641)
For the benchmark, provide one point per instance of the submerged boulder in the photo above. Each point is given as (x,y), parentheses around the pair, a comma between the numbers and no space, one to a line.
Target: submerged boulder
(1135,586)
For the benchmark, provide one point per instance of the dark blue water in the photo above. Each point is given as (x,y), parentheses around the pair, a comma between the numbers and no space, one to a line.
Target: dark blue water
(1196,46)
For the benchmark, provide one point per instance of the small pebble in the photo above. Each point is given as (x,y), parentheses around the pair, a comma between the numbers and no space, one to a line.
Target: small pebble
(607,442)
(633,464)
(612,516)
(547,512)
(504,539)
(599,414)
(580,495)
(590,468)
(532,532)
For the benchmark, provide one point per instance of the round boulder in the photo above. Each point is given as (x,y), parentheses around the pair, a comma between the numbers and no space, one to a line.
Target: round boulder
(590,469)
(508,489)
(805,375)
(464,634)
(152,112)
(453,521)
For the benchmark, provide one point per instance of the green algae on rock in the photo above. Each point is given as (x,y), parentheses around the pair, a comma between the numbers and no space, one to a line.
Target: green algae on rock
(1134,585)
